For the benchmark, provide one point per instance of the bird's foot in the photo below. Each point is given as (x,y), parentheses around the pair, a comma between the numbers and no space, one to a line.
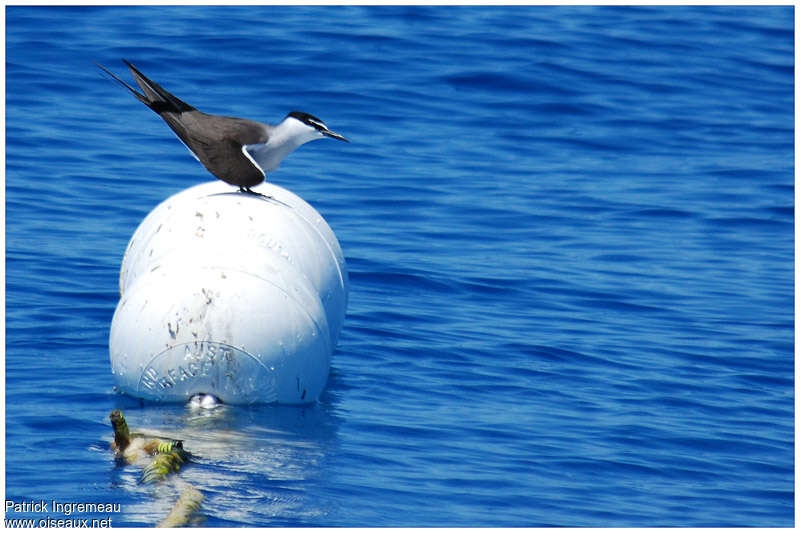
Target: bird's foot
(248,190)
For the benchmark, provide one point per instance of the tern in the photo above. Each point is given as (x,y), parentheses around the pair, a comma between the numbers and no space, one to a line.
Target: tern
(236,150)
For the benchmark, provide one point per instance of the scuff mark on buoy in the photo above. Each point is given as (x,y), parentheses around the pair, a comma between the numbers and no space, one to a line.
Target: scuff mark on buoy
(173,333)
(207,294)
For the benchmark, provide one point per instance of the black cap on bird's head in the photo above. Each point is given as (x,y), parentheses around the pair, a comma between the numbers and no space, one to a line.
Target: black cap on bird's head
(317,124)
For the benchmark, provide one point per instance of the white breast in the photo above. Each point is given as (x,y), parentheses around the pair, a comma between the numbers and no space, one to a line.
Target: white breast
(284,139)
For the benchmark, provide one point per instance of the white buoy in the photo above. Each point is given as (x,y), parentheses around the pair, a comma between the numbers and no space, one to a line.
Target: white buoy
(229,294)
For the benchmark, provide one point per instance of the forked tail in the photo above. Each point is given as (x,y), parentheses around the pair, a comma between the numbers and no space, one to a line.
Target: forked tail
(155,97)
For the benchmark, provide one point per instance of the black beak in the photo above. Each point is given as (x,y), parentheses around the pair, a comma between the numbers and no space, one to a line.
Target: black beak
(333,135)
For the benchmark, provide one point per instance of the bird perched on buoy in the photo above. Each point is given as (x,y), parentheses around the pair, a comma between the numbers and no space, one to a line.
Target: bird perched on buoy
(164,455)
(236,150)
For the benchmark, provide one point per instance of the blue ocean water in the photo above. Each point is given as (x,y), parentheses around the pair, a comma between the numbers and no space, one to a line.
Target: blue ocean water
(570,239)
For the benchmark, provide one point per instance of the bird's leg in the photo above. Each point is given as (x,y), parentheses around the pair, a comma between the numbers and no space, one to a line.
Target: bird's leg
(250,191)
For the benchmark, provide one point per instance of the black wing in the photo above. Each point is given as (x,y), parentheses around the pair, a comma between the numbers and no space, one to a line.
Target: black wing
(215,141)
(218,144)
